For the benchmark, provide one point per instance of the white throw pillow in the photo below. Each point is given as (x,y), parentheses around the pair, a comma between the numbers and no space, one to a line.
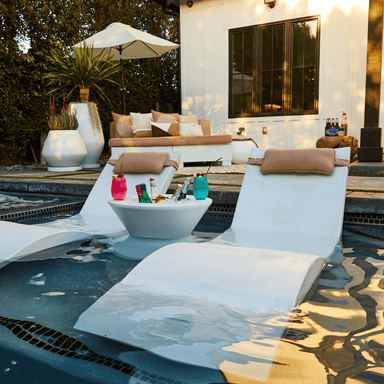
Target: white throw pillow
(189,119)
(141,120)
(191,130)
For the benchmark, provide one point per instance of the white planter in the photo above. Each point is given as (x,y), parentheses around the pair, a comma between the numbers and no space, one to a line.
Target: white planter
(241,150)
(90,131)
(64,151)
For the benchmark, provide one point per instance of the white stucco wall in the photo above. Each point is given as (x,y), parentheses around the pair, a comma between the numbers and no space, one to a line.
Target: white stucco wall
(205,65)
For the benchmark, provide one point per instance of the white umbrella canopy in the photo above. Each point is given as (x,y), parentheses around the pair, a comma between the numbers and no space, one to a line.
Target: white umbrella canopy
(123,42)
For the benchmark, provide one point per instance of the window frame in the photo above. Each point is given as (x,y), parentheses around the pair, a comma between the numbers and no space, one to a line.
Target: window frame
(287,69)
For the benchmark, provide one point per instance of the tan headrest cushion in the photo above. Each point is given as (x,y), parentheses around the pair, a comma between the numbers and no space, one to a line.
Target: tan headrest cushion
(313,160)
(142,162)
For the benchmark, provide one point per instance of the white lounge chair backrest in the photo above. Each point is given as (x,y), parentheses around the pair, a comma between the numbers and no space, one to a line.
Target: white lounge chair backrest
(303,203)
(97,201)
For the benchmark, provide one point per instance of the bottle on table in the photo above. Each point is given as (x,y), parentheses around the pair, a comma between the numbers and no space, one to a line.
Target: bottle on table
(139,193)
(155,195)
(344,123)
(184,189)
(327,126)
(332,128)
(145,198)
(176,193)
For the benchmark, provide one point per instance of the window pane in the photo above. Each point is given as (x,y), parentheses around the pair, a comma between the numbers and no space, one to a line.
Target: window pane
(237,93)
(277,101)
(310,42)
(266,48)
(266,92)
(309,89)
(248,51)
(297,89)
(247,92)
(297,44)
(278,47)
(237,45)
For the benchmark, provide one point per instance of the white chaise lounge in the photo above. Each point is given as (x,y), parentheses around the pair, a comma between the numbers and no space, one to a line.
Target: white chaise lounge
(95,217)
(225,304)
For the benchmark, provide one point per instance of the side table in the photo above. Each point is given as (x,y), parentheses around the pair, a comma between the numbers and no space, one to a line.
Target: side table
(241,150)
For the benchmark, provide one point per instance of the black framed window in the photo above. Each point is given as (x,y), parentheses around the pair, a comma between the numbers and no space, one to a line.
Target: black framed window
(274,68)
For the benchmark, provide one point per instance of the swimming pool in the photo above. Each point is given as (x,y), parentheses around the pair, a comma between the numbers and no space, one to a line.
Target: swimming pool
(335,335)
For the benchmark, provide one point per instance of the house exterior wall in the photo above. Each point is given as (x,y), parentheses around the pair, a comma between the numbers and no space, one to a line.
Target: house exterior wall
(204,30)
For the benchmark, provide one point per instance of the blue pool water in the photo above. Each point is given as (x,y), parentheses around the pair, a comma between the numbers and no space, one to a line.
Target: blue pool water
(337,331)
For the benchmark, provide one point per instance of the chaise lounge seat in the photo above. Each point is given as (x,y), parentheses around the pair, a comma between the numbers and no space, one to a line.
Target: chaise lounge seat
(95,217)
(225,304)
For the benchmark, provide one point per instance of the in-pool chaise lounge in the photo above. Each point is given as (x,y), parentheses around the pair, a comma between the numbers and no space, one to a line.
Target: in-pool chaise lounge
(95,217)
(225,304)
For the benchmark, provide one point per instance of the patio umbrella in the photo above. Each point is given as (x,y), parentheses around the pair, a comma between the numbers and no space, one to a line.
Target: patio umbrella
(124,42)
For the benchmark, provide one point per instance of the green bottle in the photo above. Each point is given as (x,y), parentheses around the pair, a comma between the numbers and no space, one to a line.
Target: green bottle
(145,197)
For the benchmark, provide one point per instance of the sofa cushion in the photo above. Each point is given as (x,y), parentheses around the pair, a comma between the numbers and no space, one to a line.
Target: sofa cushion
(117,116)
(156,115)
(141,132)
(190,130)
(189,119)
(170,141)
(124,126)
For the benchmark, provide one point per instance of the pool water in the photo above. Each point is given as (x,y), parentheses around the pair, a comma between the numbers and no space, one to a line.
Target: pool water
(335,336)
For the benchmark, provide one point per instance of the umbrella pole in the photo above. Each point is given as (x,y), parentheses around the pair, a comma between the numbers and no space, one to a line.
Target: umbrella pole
(122,78)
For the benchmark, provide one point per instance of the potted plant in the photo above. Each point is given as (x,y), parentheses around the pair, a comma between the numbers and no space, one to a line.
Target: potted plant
(82,69)
(64,149)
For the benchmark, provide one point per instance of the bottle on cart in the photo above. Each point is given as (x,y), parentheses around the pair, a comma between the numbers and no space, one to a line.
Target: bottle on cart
(155,195)
(344,123)
(332,128)
(327,126)
(139,193)
(184,189)
(176,193)
(145,198)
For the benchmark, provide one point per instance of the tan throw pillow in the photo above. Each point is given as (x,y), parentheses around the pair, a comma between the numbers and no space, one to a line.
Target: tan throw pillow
(117,116)
(156,115)
(140,162)
(310,160)
(189,119)
(142,132)
(166,119)
(124,126)
(191,130)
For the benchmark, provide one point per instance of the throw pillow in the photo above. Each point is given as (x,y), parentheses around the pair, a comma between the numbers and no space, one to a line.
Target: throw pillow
(192,119)
(117,116)
(166,119)
(156,115)
(191,130)
(124,126)
(141,132)
(141,120)
(165,129)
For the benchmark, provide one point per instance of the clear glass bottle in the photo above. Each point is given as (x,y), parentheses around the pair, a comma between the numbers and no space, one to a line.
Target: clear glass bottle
(344,123)
(154,192)
(176,193)
(184,189)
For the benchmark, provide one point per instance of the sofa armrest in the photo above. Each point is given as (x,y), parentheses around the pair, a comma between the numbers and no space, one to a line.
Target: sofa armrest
(206,127)
(113,131)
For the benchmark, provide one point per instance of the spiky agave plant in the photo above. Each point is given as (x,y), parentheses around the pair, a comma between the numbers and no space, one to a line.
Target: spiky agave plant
(80,68)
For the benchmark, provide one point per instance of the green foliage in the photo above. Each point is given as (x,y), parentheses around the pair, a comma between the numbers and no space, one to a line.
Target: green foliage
(65,120)
(83,70)
(40,26)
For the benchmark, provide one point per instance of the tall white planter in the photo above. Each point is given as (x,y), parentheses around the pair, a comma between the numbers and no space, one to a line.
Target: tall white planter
(64,151)
(90,131)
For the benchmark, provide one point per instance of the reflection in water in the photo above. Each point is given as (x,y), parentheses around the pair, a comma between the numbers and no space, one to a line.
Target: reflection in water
(335,336)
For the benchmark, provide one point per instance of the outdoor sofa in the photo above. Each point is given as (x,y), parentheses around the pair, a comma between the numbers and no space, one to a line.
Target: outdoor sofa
(136,133)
